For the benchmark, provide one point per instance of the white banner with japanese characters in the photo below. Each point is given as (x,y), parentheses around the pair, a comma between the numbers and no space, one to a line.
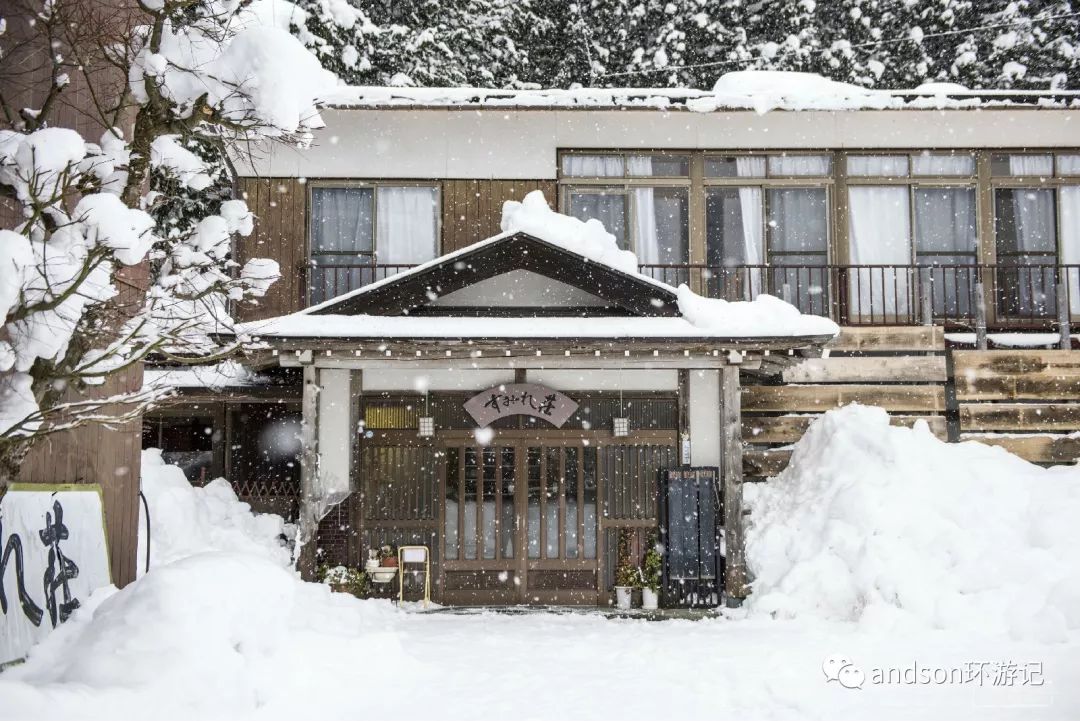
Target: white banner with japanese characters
(53,553)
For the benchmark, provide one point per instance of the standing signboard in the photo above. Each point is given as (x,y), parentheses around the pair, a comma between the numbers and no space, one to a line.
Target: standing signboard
(53,554)
(690,531)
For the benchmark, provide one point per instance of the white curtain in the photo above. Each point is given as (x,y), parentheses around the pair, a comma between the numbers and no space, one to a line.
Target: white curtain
(926,164)
(1031,165)
(750,166)
(406,225)
(878,166)
(594,166)
(1069,165)
(814,165)
(879,229)
(647,241)
(1069,197)
(751,210)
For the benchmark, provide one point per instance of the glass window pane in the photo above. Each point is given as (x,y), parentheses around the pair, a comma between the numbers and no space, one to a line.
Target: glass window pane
(878,166)
(798,221)
(534,509)
(593,166)
(1068,165)
(734,225)
(407,220)
(607,206)
(1026,239)
(658,166)
(450,528)
(341,220)
(570,484)
(552,490)
(741,166)
(487,509)
(799,165)
(1069,198)
(930,164)
(508,520)
(1041,166)
(661,225)
(589,509)
(468,527)
(946,239)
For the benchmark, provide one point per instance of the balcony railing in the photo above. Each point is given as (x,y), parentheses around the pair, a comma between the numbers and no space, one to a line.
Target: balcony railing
(1001,296)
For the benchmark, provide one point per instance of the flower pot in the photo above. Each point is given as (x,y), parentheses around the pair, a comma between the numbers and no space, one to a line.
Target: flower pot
(650,599)
(390,562)
(623,596)
(384,574)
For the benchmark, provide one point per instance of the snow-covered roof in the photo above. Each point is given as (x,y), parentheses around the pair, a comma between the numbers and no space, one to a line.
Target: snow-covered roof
(227,374)
(663,313)
(756,90)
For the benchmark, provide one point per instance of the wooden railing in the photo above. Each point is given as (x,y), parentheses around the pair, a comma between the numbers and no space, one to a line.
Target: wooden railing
(971,296)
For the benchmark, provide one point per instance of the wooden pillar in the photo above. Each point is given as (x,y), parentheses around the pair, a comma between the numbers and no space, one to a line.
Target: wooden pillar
(732,471)
(308,518)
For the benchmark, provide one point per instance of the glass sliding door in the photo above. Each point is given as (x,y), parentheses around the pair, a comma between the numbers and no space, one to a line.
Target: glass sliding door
(734,242)
(1025,223)
(879,233)
(946,241)
(342,240)
(608,205)
(798,246)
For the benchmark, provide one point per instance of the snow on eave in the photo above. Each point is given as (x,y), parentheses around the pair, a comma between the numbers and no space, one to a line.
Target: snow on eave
(388,98)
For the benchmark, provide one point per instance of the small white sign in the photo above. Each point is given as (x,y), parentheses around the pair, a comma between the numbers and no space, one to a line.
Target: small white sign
(53,553)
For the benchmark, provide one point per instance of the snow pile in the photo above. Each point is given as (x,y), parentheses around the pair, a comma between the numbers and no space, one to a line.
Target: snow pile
(185,521)
(764,316)
(893,528)
(767,90)
(589,238)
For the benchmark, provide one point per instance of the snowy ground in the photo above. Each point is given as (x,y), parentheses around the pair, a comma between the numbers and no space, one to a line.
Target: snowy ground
(928,580)
(367,660)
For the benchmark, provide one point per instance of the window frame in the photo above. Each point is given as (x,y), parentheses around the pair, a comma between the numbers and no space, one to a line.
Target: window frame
(374,185)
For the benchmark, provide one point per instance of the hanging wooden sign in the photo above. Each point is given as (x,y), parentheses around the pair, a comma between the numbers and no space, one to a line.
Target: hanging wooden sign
(530,399)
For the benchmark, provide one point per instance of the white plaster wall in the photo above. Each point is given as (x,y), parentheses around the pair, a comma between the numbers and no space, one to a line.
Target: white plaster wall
(632,379)
(518,288)
(522,144)
(335,431)
(704,416)
(386,379)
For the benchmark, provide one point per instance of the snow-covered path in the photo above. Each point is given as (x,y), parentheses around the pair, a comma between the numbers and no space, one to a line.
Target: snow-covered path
(368,660)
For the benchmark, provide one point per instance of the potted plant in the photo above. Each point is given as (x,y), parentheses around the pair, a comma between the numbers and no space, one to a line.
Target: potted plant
(651,569)
(627,574)
(387,569)
(341,579)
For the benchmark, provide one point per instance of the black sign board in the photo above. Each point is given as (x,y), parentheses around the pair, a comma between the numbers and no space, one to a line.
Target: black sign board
(690,531)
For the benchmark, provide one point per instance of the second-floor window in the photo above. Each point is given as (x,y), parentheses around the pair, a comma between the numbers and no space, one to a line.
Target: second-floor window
(643,200)
(362,233)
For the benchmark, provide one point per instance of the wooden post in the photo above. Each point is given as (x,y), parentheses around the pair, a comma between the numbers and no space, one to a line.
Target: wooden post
(308,520)
(1063,310)
(980,316)
(926,296)
(732,464)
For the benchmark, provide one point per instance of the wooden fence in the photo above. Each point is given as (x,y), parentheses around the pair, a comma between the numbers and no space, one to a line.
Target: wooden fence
(1027,401)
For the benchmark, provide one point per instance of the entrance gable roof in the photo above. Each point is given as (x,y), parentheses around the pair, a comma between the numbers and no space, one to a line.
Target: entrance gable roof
(410,292)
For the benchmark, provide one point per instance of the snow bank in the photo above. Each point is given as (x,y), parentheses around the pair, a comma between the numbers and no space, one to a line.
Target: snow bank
(891,527)
(185,520)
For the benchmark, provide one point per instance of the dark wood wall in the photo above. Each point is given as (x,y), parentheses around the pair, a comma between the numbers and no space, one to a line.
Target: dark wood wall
(280,208)
(471,211)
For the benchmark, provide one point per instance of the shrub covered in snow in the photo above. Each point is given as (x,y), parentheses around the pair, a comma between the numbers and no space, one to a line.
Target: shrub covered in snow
(891,527)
